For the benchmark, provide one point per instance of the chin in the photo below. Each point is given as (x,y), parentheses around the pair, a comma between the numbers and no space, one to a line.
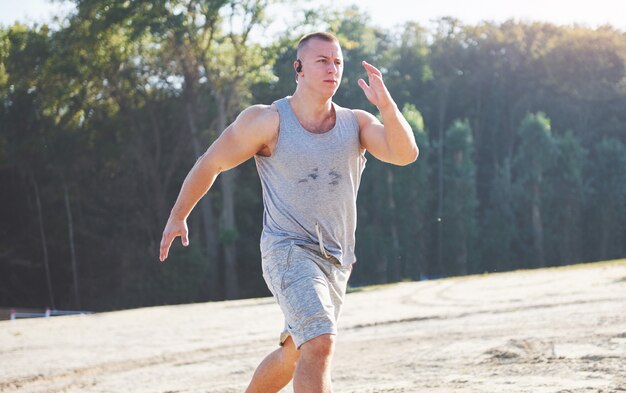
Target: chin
(332,90)
(328,93)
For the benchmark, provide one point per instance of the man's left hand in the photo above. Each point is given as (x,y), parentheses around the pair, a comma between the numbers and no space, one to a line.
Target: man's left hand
(376,92)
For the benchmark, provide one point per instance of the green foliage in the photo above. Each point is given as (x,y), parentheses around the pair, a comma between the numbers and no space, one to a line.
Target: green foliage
(498,231)
(534,156)
(122,98)
(228,235)
(415,119)
(360,41)
(412,196)
(565,200)
(459,203)
(409,70)
(182,279)
(606,195)
(536,148)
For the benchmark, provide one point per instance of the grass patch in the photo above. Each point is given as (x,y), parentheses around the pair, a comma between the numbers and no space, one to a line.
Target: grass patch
(585,265)
(367,288)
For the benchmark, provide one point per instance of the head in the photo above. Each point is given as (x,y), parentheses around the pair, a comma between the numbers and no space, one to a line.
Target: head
(319,62)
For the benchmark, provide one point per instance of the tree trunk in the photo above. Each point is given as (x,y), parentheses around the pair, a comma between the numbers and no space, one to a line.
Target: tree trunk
(228,229)
(229,232)
(605,234)
(395,268)
(568,244)
(70,227)
(208,217)
(537,226)
(442,107)
(461,257)
(44,244)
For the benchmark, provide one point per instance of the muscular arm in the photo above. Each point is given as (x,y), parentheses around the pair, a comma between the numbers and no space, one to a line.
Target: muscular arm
(394,141)
(250,133)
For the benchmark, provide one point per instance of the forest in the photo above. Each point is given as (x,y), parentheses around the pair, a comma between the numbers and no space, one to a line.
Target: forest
(521,128)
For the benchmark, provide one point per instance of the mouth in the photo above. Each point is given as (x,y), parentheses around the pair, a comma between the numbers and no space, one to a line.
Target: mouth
(332,81)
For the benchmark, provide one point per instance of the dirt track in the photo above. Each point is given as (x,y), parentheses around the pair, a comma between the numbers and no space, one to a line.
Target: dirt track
(551,330)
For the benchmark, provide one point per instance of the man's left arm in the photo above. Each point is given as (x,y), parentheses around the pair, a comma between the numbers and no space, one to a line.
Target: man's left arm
(394,141)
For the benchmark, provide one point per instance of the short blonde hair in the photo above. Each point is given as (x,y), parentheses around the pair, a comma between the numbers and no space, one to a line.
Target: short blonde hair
(320,35)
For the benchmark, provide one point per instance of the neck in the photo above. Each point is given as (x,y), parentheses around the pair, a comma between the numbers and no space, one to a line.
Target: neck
(310,106)
(315,114)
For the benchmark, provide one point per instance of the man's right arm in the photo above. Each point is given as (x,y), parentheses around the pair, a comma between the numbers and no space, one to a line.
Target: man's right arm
(251,132)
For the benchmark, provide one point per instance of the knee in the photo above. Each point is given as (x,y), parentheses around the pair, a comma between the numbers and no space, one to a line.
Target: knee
(320,347)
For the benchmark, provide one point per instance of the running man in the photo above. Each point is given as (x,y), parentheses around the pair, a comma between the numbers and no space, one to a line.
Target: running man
(309,154)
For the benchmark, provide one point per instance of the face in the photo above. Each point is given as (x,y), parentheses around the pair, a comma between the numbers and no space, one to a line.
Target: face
(322,66)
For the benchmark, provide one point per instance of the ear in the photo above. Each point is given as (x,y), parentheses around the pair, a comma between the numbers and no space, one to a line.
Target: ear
(297,65)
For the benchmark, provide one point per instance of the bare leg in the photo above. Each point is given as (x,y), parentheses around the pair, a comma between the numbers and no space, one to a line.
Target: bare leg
(276,370)
(313,370)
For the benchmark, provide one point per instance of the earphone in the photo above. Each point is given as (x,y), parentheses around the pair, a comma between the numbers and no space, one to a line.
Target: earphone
(299,66)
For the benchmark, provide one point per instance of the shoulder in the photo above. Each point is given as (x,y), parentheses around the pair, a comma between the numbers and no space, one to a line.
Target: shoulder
(364,118)
(257,121)
(259,116)
(257,125)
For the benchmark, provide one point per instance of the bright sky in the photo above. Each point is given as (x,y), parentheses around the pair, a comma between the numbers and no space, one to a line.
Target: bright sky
(30,11)
(389,13)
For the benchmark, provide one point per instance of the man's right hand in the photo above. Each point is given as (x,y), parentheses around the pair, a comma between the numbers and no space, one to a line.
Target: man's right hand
(173,229)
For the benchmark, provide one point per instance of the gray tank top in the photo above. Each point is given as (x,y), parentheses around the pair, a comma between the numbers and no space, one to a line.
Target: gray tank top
(310,185)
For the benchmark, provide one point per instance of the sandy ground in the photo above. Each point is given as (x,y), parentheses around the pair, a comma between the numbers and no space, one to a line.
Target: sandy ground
(551,330)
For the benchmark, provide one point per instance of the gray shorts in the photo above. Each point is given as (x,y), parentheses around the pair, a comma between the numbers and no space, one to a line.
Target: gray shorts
(309,289)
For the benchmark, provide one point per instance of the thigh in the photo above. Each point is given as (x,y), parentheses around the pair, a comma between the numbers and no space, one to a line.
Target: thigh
(338,284)
(304,287)
(273,266)
(303,292)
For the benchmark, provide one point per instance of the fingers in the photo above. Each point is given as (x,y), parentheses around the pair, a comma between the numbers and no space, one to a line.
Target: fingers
(366,89)
(172,230)
(166,243)
(363,85)
(371,69)
(376,92)
(374,75)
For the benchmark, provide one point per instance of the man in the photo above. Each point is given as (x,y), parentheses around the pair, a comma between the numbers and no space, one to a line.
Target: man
(310,155)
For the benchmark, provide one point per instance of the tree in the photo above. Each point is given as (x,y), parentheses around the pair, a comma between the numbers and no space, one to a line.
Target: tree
(533,159)
(412,194)
(208,43)
(102,118)
(446,59)
(583,71)
(606,196)
(23,126)
(565,200)
(458,221)
(409,69)
(230,64)
(499,227)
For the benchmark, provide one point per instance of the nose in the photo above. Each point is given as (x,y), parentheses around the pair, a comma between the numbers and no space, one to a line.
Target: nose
(332,68)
